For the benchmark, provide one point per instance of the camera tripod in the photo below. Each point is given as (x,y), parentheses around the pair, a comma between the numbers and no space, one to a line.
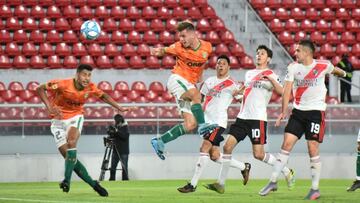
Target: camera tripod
(110,148)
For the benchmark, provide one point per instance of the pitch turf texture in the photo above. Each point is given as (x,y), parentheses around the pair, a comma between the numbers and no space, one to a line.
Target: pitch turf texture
(165,191)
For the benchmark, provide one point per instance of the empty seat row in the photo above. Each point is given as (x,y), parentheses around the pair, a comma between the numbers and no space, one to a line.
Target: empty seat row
(258,4)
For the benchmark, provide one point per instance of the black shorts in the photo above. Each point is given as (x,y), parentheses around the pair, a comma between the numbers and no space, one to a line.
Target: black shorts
(312,123)
(255,129)
(216,136)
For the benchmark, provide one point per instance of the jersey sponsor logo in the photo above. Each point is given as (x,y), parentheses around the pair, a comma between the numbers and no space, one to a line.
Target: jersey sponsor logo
(307,82)
(86,95)
(73,103)
(197,64)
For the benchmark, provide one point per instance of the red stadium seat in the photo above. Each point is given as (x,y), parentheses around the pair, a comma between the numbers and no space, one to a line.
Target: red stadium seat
(348,38)
(332,37)
(120,62)
(133,13)
(156,87)
(15,86)
(168,62)
(342,14)
(285,38)
(156,25)
(170,3)
(12,23)
(237,49)
(212,37)
(32,85)
(335,59)
(5,36)
(291,25)
(208,12)
(358,37)
(148,12)
(258,4)
(273,3)
(150,38)
(312,14)
(118,37)
(20,61)
(85,12)
(103,61)
(111,50)
(36,36)
(355,62)
(134,37)
(152,62)
(45,24)
(186,3)
(122,86)
(125,25)
(53,12)
(103,38)
(179,13)
(247,62)
(70,62)
(79,49)
(78,3)
(87,59)
(94,49)
(20,12)
(7,95)
(348,4)
(266,14)
(140,3)
(5,11)
(136,62)
(29,24)
(317,3)
(227,37)
(333,4)
(281,14)
(150,95)
(212,62)
(163,13)
(143,50)
(53,37)
(171,24)
(37,12)
(355,50)
(155,3)
(141,25)
(69,36)
(327,14)
(352,25)
(20,36)
(93,3)
(221,49)
(317,37)
(37,61)
(110,24)
(234,63)
(322,26)
(166,37)
(306,25)
(76,24)
(46,49)
(288,3)
(62,49)
(194,13)
(327,50)
(29,49)
(276,25)
(297,14)
(5,61)
(70,12)
(46,3)
(128,50)
(337,25)
(12,49)
(218,24)
(342,49)
(133,95)
(54,61)
(355,14)
(139,86)
(117,12)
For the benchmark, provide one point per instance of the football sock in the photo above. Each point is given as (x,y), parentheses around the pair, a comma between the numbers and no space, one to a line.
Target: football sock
(358,166)
(81,171)
(198,113)
(225,165)
(173,133)
(279,165)
(270,159)
(200,165)
(70,162)
(315,172)
(233,163)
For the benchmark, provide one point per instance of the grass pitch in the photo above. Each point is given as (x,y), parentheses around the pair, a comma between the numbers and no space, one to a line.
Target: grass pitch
(165,191)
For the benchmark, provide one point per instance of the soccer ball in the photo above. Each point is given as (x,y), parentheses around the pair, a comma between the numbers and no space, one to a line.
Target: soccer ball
(90,29)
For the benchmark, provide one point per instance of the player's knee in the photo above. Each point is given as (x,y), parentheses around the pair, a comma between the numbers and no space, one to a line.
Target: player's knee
(228,149)
(258,155)
(358,148)
(71,143)
(214,156)
(190,126)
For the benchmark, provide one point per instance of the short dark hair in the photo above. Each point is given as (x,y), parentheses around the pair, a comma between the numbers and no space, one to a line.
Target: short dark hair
(185,25)
(307,43)
(119,119)
(224,57)
(267,49)
(82,67)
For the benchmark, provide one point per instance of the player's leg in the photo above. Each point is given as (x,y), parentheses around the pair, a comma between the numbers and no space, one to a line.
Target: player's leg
(315,166)
(356,183)
(114,163)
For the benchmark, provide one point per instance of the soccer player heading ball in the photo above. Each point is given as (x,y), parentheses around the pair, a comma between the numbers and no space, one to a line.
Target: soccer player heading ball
(191,56)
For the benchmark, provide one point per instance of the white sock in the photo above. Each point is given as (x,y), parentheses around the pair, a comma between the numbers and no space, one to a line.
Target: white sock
(315,172)
(233,163)
(200,165)
(225,165)
(279,165)
(270,159)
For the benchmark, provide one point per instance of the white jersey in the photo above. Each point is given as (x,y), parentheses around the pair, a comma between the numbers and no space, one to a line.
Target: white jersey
(218,96)
(309,89)
(257,94)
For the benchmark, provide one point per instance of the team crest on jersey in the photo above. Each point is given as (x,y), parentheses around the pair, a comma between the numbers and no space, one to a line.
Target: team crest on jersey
(54,86)
(315,71)
(86,95)
(204,55)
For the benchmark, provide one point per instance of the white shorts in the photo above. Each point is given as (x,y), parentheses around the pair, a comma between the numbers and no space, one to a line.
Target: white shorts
(60,128)
(177,86)
(358,139)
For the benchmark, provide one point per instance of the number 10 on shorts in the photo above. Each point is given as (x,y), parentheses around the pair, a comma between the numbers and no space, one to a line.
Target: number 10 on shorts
(255,133)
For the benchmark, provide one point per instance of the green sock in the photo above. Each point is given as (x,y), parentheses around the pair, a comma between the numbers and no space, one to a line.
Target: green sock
(358,165)
(70,161)
(196,109)
(81,171)
(173,133)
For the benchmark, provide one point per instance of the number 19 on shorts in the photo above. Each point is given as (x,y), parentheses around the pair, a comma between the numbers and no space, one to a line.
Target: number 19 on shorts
(315,128)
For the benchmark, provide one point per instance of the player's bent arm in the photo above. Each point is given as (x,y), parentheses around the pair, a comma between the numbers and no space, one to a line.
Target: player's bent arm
(339,72)
(286,97)
(107,99)
(41,91)
(277,86)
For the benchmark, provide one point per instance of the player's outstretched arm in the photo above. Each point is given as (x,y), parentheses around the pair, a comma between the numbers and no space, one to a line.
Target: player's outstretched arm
(339,72)
(41,91)
(107,99)
(158,51)
(285,102)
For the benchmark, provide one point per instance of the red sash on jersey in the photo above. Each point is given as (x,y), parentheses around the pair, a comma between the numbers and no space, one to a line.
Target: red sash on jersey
(217,87)
(314,73)
(248,90)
